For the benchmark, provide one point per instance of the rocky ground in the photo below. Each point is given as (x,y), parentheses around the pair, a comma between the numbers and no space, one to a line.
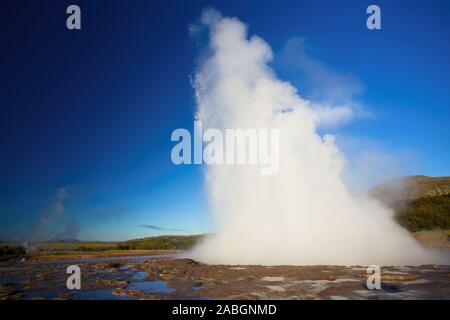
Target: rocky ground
(166,276)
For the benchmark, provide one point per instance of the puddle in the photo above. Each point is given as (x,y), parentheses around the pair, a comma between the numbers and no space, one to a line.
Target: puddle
(198,285)
(138,276)
(150,287)
(138,281)
(105,274)
(45,294)
(99,294)
(8,279)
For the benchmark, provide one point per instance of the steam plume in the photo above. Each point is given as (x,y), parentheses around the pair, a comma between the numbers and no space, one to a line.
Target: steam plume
(304,215)
(49,216)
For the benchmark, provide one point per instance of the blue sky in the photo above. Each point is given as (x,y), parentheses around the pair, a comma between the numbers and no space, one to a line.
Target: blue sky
(92,111)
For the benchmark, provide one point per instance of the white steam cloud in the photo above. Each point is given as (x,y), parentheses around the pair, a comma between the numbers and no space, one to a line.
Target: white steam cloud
(334,93)
(304,215)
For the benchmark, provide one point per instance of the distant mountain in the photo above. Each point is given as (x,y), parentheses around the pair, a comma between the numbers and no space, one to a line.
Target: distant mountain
(420,202)
(63,240)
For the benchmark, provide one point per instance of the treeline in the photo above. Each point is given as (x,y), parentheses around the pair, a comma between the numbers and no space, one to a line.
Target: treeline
(151,243)
(426,213)
(160,243)
(95,248)
(11,250)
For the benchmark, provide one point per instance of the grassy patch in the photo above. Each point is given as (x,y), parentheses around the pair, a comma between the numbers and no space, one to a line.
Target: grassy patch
(11,250)
(426,213)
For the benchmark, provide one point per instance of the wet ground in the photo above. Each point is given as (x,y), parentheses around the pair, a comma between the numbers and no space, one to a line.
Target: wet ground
(167,276)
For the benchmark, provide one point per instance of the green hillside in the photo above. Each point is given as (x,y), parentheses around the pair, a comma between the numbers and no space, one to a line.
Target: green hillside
(167,242)
(420,202)
(160,243)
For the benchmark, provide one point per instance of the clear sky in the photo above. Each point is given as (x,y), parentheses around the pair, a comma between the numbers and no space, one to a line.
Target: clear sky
(86,116)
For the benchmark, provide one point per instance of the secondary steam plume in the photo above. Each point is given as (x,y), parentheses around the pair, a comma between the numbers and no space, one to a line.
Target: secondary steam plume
(304,215)
(48,217)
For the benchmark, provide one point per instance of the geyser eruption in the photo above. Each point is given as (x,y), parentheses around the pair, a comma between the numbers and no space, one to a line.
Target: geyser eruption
(304,214)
